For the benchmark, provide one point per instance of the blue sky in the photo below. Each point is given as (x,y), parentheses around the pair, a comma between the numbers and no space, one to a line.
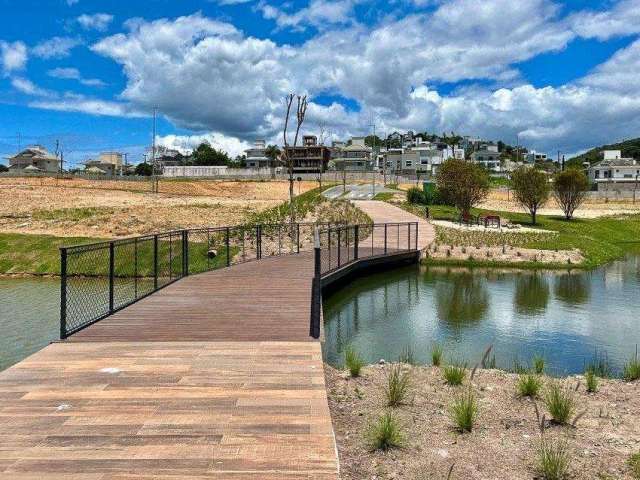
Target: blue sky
(558,75)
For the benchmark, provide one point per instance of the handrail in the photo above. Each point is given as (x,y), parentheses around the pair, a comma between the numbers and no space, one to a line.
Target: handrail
(101,278)
(339,247)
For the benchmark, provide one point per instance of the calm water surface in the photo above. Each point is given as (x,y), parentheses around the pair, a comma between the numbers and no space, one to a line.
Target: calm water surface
(564,316)
(29,317)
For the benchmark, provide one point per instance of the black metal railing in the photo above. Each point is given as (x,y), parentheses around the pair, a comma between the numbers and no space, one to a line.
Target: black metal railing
(99,279)
(336,247)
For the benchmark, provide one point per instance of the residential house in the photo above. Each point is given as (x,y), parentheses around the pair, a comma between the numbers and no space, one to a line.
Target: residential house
(34,159)
(310,157)
(614,170)
(108,163)
(487,157)
(257,156)
(535,157)
(355,156)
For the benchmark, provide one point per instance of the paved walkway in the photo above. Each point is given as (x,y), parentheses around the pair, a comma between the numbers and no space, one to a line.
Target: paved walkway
(382,212)
(214,376)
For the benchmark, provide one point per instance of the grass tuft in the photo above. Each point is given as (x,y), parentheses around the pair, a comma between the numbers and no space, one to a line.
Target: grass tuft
(560,402)
(464,411)
(592,381)
(600,365)
(634,464)
(398,385)
(553,459)
(454,373)
(385,433)
(353,361)
(631,370)
(528,385)
(407,356)
(538,364)
(436,354)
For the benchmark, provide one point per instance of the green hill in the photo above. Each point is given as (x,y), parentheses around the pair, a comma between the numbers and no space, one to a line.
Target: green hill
(630,149)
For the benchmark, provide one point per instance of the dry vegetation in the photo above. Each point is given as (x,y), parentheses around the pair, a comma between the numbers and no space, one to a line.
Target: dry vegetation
(98,212)
(504,441)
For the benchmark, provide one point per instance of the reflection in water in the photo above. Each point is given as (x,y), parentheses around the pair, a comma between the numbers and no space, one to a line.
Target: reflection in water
(462,298)
(531,293)
(467,310)
(573,288)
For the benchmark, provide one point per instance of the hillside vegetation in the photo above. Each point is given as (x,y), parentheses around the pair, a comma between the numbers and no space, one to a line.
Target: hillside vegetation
(629,148)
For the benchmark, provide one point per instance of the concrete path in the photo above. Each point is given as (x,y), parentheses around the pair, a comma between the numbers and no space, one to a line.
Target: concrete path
(383,212)
(362,191)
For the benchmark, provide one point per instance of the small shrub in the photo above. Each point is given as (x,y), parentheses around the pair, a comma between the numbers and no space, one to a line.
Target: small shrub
(454,374)
(464,411)
(353,361)
(631,370)
(634,464)
(436,354)
(600,365)
(528,385)
(560,403)
(553,459)
(398,384)
(415,196)
(538,364)
(385,433)
(592,381)
(407,356)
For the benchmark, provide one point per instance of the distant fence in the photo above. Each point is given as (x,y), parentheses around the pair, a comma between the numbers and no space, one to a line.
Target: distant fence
(98,279)
(191,186)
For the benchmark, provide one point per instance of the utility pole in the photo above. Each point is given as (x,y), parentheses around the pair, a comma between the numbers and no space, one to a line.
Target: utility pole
(374,160)
(153,152)
(19,137)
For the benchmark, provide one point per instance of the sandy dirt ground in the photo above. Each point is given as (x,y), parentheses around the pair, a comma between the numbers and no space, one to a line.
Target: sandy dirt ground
(503,443)
(99,212)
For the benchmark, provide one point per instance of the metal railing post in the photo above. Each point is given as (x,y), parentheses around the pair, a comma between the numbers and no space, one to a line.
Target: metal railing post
(155,262)
(316,289)
(356,240)
(111,274)
(408,236)
(63,293)
(185,253)
(258,241)
(417,226)
(385,238)
(226,246)
(298,237)
(339,247)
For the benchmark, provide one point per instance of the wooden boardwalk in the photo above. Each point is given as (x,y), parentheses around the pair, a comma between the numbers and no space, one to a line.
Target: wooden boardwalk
(214,376)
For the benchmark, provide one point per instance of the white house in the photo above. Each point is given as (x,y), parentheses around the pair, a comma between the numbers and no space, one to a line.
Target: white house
(614,170)
(257,155)
(355,156)
(35,158)
(535,157)
(488,157)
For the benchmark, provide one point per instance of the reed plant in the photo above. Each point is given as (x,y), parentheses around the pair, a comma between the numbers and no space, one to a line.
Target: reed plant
(631,370)
(407,356)
(436,354)
(592,381)
(634,464)
(397,386)
(528,385)
(454,373)
(353,361)
(385,433)
(538,364)
(560,402)
(464,410)
(553,459)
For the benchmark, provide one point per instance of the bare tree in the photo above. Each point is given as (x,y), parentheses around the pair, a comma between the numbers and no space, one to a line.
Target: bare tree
(287,157)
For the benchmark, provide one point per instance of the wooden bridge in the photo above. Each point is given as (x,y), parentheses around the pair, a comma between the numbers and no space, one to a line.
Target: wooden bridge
(215,376)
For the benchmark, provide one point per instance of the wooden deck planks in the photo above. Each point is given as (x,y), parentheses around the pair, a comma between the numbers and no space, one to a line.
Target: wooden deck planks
(267,300)
(181,410)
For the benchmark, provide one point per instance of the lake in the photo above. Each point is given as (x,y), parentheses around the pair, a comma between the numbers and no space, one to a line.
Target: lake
(565,316)
(29,317)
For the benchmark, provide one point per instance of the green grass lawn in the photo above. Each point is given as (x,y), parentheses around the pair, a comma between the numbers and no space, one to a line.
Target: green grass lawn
(33,254)
(600,240)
